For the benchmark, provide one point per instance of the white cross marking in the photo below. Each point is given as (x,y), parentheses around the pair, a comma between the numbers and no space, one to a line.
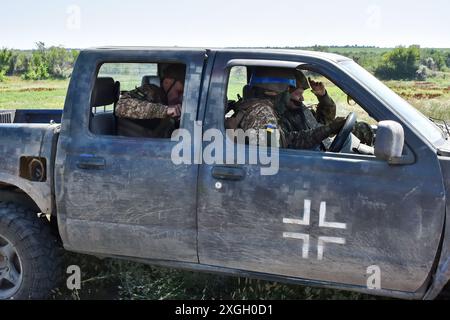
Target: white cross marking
(305,221)
(321,244)
(301,236)
(306,216)
(325,224)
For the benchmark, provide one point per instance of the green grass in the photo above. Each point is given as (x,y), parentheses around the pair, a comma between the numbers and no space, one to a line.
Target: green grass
(16,93)
(118,279)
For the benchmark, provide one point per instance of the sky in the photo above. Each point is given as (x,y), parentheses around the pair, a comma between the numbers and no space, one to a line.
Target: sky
(231,23)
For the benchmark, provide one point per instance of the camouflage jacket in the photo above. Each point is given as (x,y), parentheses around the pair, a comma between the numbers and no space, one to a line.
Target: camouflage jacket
(306,127)
(145,102)
(300,130)
(256,114)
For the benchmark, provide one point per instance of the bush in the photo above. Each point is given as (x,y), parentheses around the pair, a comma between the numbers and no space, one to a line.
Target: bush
(422,73)
(38,67)
(2,76)
(60,62)
(434,59)
(400,63)
(44,63)
(6,56)
(21,63)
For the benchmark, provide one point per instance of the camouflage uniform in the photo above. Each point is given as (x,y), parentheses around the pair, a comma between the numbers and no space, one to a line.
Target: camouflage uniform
(142,113)
(256,114)
(309,128)
(142,103)
(306,128)
(264,114)
(363,131)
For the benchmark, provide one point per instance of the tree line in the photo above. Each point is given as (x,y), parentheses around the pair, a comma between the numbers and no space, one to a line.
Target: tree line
(39,64)
(401,63)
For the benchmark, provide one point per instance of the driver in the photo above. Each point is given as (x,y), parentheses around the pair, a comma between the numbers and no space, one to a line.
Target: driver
(307,127)
(297,117)
(281,89)
(298,120)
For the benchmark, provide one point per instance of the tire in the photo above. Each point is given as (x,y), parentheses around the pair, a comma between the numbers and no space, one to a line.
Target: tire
(30,255)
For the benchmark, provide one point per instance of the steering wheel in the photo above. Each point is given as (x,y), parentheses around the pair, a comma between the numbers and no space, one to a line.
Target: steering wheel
(344,133)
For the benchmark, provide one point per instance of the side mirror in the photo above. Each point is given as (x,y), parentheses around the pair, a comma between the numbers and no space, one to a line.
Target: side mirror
(389,142)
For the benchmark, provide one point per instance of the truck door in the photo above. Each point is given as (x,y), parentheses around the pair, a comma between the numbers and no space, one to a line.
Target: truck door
(120,195)
(326,217)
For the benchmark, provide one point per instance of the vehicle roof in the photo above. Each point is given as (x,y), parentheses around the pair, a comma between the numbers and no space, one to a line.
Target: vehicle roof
(304,53)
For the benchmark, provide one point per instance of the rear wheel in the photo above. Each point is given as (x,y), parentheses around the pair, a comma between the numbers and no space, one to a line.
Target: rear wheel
(30,255)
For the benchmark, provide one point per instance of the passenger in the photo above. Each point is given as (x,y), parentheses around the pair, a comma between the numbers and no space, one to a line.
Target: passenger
(152,102)
(266,110)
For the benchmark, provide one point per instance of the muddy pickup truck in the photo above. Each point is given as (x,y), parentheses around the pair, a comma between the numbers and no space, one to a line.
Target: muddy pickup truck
(373,223)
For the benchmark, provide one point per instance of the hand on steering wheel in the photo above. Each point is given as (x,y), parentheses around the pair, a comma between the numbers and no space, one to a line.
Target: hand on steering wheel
(343,134)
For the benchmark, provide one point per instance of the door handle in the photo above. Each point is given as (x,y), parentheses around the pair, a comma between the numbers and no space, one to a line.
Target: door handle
(90,162)
(228,173)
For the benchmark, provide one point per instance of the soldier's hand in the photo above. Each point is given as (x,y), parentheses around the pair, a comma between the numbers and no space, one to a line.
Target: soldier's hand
(318,88)
(337,124)
(174,111)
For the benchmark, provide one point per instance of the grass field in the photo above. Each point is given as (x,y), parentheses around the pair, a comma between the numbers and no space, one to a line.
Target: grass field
(16,93)
(115,279)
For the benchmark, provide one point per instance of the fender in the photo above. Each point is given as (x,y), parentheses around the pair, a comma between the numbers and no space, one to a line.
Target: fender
(442,274)
(29,140)
(39,193)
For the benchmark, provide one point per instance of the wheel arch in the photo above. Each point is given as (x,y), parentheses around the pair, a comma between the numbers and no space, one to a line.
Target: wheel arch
(27,195)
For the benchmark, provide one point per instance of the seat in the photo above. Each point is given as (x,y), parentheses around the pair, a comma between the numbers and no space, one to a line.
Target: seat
(151,80)
(105,93)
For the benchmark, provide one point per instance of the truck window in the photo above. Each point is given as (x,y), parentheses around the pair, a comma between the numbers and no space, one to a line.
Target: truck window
(248,84)
(236,83)
(137,99)
(129,75)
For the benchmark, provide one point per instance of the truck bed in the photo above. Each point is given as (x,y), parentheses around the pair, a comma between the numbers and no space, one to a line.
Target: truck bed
(31,116)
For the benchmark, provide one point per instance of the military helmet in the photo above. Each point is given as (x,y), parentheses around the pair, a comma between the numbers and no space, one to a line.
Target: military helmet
(175,71)
(302,81)
(278,79)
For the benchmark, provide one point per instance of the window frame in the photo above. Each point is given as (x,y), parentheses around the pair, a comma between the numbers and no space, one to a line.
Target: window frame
(325,72)
(99,64)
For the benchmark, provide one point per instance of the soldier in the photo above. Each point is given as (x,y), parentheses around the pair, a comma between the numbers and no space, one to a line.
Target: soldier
(297,117)
(152,102)
(306,127)
(267,111)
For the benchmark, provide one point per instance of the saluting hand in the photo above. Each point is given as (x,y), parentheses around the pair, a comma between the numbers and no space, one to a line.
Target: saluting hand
(317,88)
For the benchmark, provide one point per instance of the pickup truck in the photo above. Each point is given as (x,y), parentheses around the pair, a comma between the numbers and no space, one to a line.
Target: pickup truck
(328,219)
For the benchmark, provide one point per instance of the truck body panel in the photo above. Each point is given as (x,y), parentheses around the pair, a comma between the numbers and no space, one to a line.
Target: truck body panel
(388,216)
(138,193)
(28,140)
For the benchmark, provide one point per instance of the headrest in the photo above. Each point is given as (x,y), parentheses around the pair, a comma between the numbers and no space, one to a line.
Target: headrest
(105,92)
(151,80)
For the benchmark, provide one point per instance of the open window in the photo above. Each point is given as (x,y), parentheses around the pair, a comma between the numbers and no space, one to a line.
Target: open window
(242,86)
(117,80)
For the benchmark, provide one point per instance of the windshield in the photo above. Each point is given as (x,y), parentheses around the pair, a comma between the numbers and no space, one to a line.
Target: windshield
(410,114)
